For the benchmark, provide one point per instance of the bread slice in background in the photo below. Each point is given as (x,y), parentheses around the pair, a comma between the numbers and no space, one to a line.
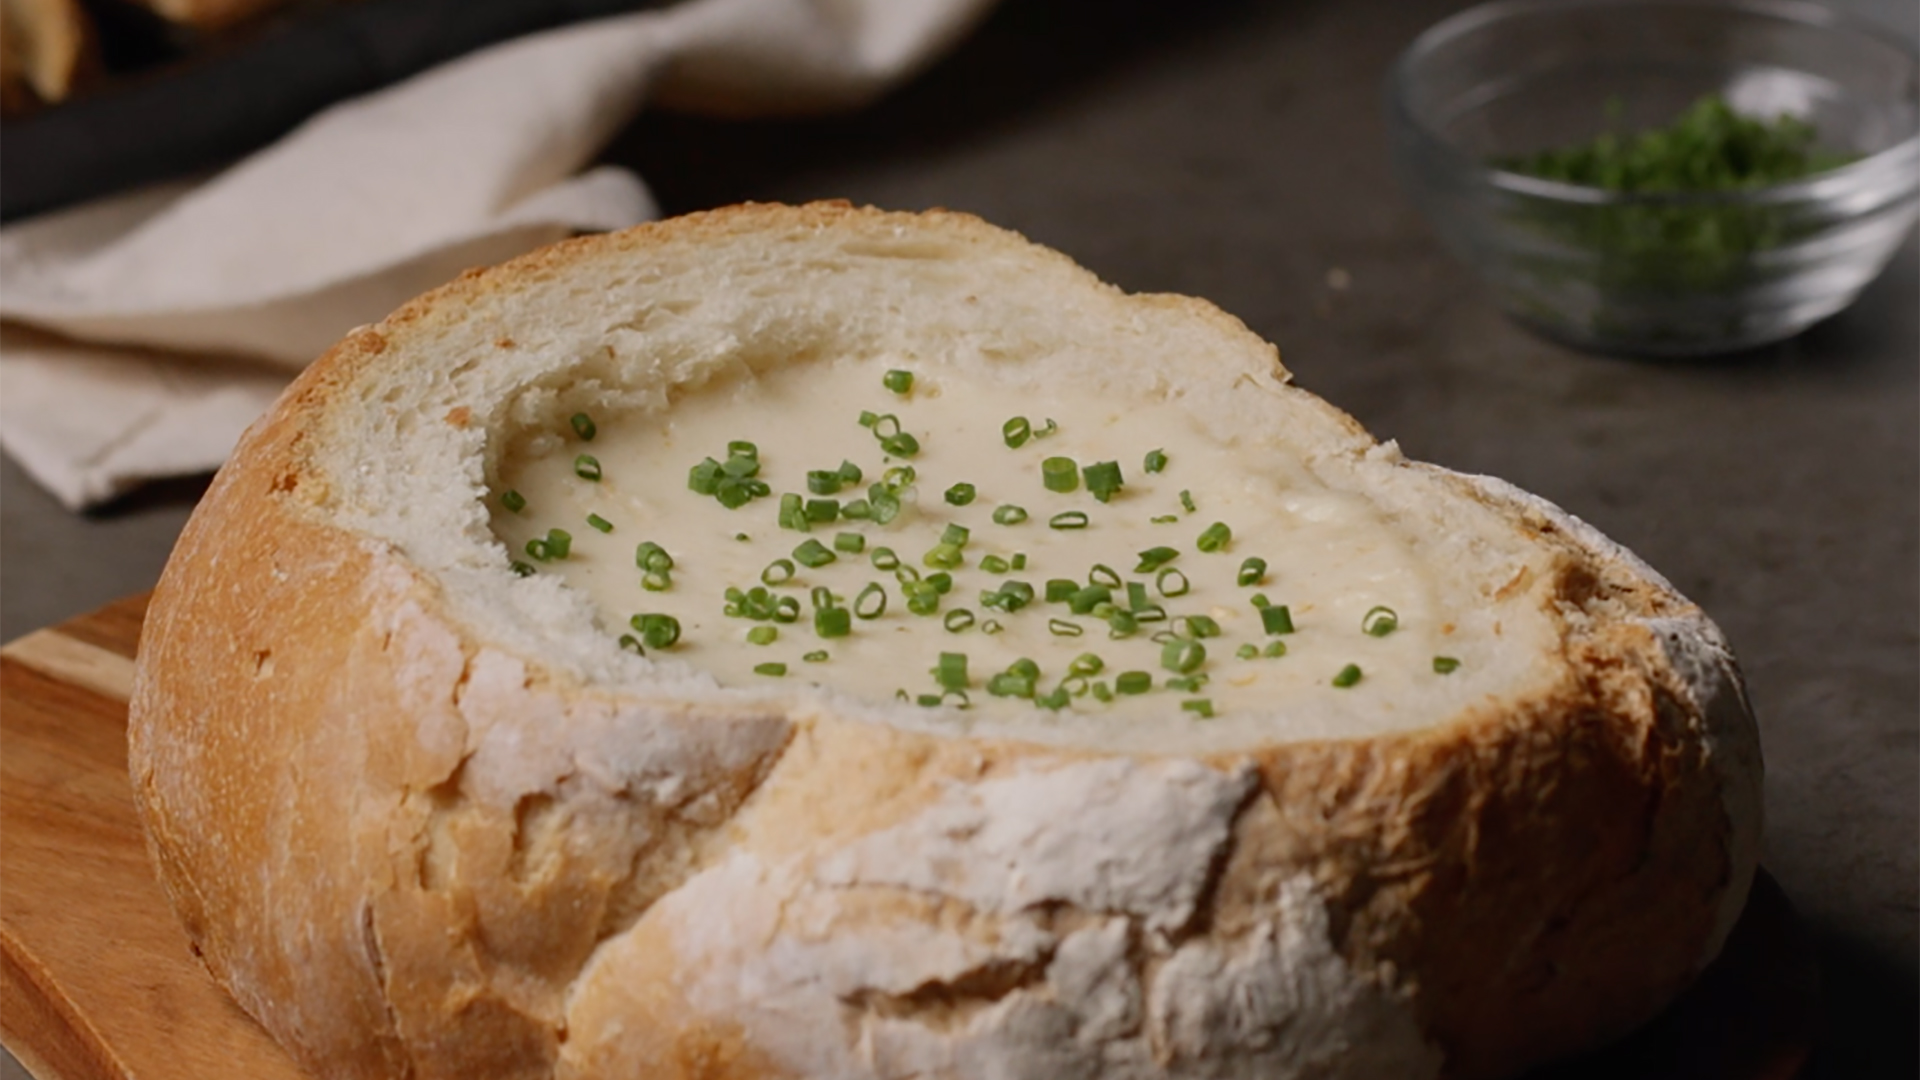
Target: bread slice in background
(424,818)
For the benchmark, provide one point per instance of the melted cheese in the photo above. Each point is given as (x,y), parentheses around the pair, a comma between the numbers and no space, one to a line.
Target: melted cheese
(1331,558)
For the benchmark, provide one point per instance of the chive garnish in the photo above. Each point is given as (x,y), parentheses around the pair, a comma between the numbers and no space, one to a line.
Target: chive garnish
(513,501)
(923,598)
(942,582)
(1196,626)
(557,544)
(1064,628)
(960,494)
(521,569)
(657,631)
(1154,558)
(632,644)
(600,523)
(762,635)
(704,478)
(1201,707)
(1214,537)
(1121,624)
(1060,474)
(656,581)
(740,467)
(898,381)
(583,426)
(1136,596)
(1101,691)
(793,513)
(1133,682)
(1253,571)
(832,622)
(1348,676)
(1171,582)
(990,626)
(1016,432)
(586,467)
(1445,665)
(951,671)
(814,657)
(868,418)
(1186,500)
(813,554)
(1156,461)
(1060,590)
(786,609)
(849,472)
(900,445)
(823,481)
(778,572)
(852,543)
(1182,655)
(1103,479)
(823,597)
(1275,648)
(1276,619)
(773,668)
(651,556)
(1056,700)
(822,511)
(856,510)
(1163,519)
(994,564)
(946,556)
(1009,514)
(1071,519)
(1247,651)
(884,559)
(1086,664)
(741,448)
(872,601)
(1083,601)
(1379,621)
(1019,561)
(957,620)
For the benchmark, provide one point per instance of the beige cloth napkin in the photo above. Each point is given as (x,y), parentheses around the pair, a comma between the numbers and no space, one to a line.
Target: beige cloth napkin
(154,294)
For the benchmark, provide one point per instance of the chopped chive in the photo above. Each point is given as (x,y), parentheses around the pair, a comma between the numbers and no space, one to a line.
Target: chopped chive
(632,644)
(1056,700)
(1164,519)
(1445,665)
(900,445)
(848,472)
(994,564)
(1186,684)
(884,502)
(1075,685)
(557,544)
(778,572)
(957,620)
(1171,582)
(990,626)
(656,581)
(1182,655)
(1133,682)
(1071,519)
(1086,664)
(813,554)
(1379,621)
(1101,691)
(583,426)
(822,511)
(928,701)
(1008,514)
(1136,596)
(1156,460)
(957,535)
(513,501)
(785,609)
(1083,601)
(774,668)
(856,510)
(1275,648)
(1196,626)
(1047,429)
(1247,651)
(1121,624)
(739,467)
(1102,574)
(1150,613)
(1348,676)
(922,598)
(942,582)
(832,622)
(657,631)
(946,556)
(951,671)
(872,601)
(884,559)
(1060,474)
(762,635)
(1025,668)
(823,481)
(1016,432)
(885,426)
(1276,619)
(1260,600)
(793,513)
(822,597)
(1201,707)
(1214,537)
(741,448)
(704,478)
(868,419)
(1253,571)
(522,569)
(1059,590)
(1154,558)
(1019,561)
(742,537)
(852,543)
(1103,479)
(586,467)
(960,494)
(814,657)
(898,477)
(600,523)
(1186,500)
(898,381)
(1064,628)
(651,556)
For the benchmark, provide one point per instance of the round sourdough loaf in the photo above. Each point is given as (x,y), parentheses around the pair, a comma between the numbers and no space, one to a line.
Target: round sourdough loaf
(423,818)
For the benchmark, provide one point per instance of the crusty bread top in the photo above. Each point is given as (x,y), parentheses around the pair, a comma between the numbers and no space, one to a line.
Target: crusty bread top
(631,324)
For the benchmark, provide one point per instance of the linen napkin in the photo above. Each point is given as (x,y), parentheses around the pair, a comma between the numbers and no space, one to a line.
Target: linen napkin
(145,331)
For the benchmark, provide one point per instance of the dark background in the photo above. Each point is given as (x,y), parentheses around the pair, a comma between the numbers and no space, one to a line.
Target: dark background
(1236,150)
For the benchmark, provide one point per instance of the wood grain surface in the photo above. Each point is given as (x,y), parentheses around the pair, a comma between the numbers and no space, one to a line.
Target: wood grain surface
(98,983)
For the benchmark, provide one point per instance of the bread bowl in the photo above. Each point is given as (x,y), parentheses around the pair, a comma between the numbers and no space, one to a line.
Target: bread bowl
(425,814)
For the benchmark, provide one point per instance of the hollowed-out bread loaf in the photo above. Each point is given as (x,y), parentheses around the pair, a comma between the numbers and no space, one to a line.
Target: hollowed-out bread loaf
(1363,769)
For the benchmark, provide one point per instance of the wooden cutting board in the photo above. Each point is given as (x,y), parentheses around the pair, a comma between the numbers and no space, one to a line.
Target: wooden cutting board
(97,982)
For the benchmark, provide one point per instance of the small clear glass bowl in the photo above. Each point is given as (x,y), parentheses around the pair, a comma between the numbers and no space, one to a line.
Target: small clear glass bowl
(1650,274)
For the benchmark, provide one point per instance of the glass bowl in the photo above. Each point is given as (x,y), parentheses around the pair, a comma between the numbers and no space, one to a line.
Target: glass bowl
(1658,274)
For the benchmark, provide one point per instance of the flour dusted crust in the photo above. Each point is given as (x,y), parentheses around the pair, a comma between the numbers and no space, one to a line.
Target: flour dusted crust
(421,823)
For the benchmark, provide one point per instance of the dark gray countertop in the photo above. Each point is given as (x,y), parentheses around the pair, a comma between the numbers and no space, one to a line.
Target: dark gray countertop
(1237,152)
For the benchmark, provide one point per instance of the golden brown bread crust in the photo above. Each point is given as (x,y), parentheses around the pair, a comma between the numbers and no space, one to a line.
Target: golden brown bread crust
(317,754)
